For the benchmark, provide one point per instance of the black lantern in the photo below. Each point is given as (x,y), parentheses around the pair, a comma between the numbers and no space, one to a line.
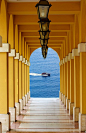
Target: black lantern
(43,9)
(44,34)
(43,42)
(44,24)
(44,51)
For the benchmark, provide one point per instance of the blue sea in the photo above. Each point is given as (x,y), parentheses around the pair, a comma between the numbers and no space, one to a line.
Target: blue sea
(44,87)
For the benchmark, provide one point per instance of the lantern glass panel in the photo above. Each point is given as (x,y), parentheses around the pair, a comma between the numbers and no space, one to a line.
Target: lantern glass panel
(44,26)
(44,35)
(44,42)
(47,35)
(43,11)
(44,51)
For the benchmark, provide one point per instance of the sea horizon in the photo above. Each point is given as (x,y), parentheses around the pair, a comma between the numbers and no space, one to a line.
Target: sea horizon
(44,87)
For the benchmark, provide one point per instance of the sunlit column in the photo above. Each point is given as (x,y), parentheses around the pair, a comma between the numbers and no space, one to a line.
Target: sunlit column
(71,104)
(76,107)
(68,83)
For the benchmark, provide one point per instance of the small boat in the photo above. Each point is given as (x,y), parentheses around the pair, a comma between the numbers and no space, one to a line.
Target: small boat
(45,74)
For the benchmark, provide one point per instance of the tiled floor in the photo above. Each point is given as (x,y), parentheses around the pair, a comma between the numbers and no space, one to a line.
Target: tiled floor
(45,115)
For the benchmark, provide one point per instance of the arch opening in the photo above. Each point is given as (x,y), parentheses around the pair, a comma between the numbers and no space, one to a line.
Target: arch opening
(44,87)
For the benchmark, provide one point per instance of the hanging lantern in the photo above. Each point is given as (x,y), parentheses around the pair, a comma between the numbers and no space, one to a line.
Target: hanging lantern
(44,24)
(44,34)
(43,42)
(43,9)
(44,51)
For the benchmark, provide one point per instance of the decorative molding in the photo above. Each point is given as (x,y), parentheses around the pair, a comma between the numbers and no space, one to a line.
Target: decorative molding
(5,47)
(23,61)
(66,58)
(12,53)
(21,58)
(0,41)
(70,56)
(81,47)
(26,62)
(63,60)
(59,63)
(17,56)
(75,52)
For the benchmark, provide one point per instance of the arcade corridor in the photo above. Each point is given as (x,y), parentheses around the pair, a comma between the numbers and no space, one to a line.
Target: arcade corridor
(19,37)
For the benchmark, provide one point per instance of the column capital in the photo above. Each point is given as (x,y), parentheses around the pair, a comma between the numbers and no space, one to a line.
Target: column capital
(59,63)
(0,41)
(12,53)
(81,47)
(21,58)
(17,56)
(5,47)
(23,61)
(70,56)
(28,63)
(75,52)
(66,58)
(63,60)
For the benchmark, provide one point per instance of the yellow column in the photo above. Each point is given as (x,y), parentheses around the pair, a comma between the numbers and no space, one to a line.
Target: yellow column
(65,81)
(72,80)
(17,104)
(60,64)
(20,67)
(3,21)
(4,89)
(20,72)
(26,71)
(71,104)
(76,108)
(23,71)
(68,83)
(82,51)
(4,96)
(12,109)
(28,77)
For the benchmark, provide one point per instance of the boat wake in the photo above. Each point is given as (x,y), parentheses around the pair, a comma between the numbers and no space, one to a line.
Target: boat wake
(35,74)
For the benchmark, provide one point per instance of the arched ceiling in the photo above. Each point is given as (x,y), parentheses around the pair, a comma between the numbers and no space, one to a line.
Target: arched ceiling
(62,16)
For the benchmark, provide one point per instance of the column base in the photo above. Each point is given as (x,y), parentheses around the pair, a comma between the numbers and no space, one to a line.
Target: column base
(23,101)
(17,108)
(59,95)
(71,105)
(21,104)
(67,103)
(12,111)
(0,127)
(76,114)
(82,122)
(29,94)
(5,120)
(65,100)
(62,98)
(27,97)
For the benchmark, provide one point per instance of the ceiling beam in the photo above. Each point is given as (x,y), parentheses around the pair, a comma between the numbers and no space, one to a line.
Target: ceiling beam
(33,19)
(59,27)
(49,41)
(52,34)
(28,8)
